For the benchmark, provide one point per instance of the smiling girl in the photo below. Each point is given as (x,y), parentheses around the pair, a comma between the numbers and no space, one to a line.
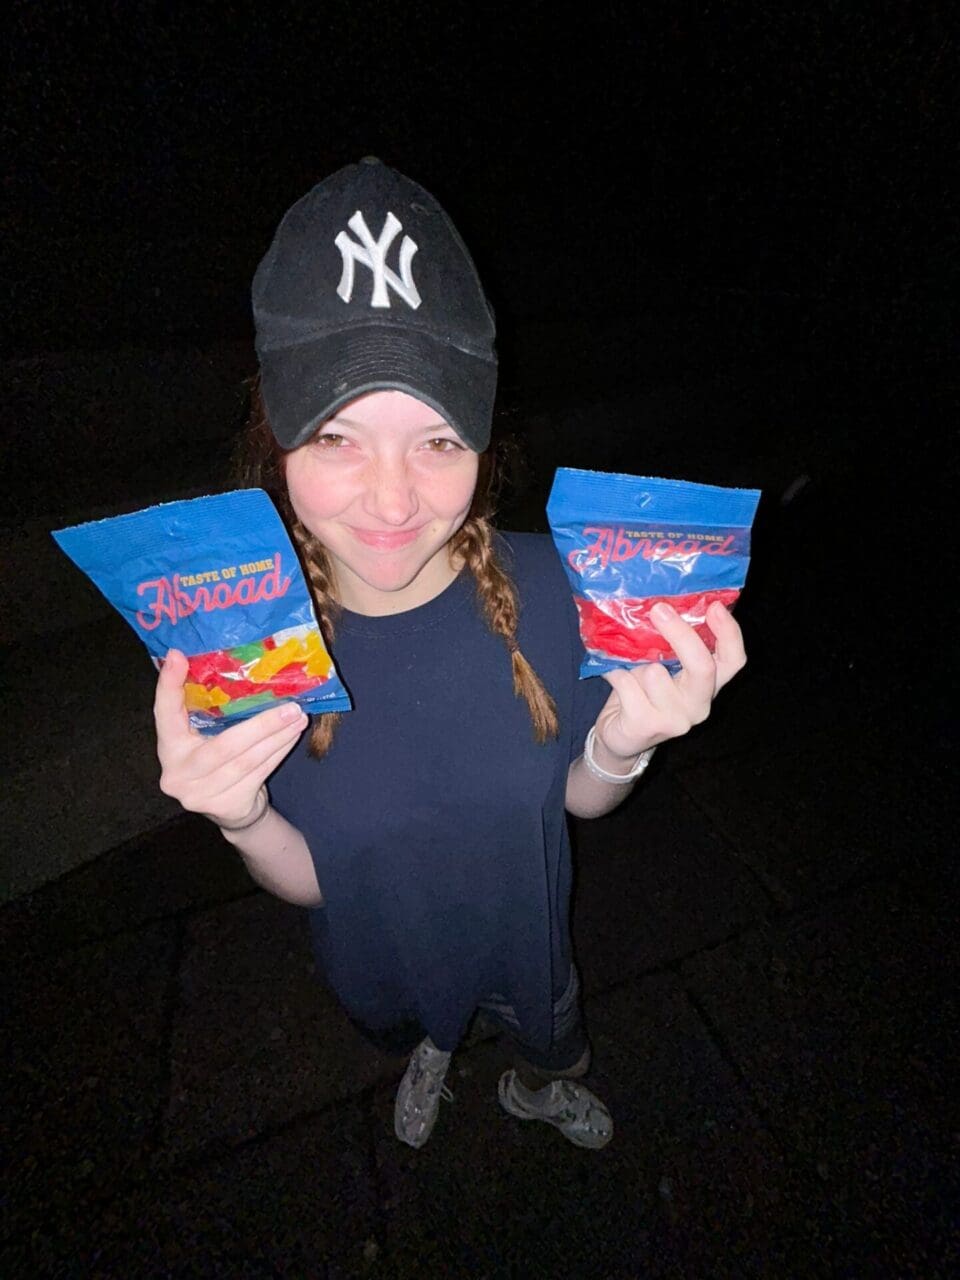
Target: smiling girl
(426,830)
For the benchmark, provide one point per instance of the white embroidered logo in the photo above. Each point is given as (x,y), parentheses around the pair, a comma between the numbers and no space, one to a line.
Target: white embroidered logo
(373,254)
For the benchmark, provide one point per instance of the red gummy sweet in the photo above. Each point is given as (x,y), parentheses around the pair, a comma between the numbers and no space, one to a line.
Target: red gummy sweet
(238,686)
(291,680)
(208,668)
(618,627)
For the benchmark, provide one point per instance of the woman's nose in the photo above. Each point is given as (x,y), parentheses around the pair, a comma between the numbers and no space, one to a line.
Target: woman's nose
(391,496)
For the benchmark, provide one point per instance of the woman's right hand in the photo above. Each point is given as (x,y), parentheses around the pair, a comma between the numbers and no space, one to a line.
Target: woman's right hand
(219,776)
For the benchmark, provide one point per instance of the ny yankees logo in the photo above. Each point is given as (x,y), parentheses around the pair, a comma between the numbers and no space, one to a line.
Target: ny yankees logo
(373,254)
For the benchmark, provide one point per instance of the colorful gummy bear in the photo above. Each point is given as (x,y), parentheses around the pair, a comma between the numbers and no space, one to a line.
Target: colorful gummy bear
(226,682)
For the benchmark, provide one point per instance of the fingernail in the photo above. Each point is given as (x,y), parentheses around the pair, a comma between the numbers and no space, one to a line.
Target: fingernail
(290,712)
(662,612)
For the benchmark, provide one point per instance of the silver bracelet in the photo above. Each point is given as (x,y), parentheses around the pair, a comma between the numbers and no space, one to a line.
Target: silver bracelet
(618,779)
(245,826)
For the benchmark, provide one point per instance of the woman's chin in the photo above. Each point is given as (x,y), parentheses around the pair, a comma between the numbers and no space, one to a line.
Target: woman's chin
(391,583)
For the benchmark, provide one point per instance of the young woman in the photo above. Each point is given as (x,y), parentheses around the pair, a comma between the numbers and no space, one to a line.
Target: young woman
(425,829)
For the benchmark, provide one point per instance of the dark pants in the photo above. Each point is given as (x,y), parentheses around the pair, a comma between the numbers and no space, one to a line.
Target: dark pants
(535,1077)
(569,1058)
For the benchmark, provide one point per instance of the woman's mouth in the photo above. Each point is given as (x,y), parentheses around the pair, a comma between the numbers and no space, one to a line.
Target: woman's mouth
(385,541)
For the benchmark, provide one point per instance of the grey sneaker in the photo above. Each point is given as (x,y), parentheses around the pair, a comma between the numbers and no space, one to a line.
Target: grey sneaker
(418,1098)
(566,1104)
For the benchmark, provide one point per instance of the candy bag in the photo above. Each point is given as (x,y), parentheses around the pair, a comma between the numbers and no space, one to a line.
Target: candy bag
(627,542)
(217,578)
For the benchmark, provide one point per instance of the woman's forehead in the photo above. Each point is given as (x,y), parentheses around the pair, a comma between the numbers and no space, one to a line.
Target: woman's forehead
(388,409)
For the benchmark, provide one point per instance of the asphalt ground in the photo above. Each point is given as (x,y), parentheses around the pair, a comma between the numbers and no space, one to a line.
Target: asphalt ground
(766,930)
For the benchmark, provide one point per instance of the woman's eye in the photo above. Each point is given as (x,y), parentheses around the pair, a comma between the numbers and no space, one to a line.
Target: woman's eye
(442,445)
(329,440)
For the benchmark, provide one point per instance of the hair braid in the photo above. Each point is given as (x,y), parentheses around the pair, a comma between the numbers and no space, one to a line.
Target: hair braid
(258,463)
(320,576)
(498,599)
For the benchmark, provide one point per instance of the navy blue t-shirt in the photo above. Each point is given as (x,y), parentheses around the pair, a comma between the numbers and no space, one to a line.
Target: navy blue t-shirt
(436,822)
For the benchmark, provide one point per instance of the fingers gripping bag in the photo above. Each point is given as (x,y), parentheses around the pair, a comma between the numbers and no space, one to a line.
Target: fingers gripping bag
(627,542)
(218,578)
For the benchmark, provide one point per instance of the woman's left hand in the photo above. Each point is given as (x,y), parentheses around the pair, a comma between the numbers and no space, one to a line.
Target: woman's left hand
(649,706)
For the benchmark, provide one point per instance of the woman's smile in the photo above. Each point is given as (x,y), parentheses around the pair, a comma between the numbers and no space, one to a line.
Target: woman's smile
(386,541)
(384,486)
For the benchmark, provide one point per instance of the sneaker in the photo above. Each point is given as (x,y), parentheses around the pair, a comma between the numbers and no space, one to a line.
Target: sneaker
(566,1104)
(419,1094)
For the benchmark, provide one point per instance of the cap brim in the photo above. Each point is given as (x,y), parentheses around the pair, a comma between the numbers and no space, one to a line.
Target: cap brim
(306,383)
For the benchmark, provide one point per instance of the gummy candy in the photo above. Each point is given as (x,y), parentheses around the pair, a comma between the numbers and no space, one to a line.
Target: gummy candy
(274,660)
(627,542)
(217,578)
(621,628)
(243,676)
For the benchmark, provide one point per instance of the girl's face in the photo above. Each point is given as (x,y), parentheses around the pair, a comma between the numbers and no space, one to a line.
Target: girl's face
(384,485)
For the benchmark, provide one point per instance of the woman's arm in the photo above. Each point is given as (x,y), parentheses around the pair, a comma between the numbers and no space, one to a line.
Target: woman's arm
(277,857)
(224,778)
(648,706)
(591,797)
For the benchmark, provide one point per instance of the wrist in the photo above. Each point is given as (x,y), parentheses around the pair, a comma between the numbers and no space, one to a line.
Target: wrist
(610,760)
(607,766)
(257,813)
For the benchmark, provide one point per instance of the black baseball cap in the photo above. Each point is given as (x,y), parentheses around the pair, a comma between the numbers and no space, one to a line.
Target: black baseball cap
(367,286)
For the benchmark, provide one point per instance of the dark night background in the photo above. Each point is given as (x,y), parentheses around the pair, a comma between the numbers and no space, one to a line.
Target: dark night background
(750,182)
(721,241)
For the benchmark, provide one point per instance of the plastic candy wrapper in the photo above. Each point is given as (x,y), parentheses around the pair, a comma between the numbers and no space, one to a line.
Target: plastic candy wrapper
(627,542)
(217,578)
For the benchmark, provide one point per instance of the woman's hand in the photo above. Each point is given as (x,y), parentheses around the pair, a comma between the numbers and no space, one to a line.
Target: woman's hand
(219,776)
(648,705)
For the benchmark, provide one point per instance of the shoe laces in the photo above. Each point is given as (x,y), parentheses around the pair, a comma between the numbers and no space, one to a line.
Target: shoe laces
(576,1104)
(430,1066)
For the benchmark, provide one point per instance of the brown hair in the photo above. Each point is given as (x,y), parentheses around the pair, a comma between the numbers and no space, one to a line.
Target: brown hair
(259,462)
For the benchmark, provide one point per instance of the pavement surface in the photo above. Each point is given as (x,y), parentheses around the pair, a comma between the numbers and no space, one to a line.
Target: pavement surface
(767,930)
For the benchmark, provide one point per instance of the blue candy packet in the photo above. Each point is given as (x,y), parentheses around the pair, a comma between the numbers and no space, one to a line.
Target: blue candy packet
(627,542)
(218,578)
